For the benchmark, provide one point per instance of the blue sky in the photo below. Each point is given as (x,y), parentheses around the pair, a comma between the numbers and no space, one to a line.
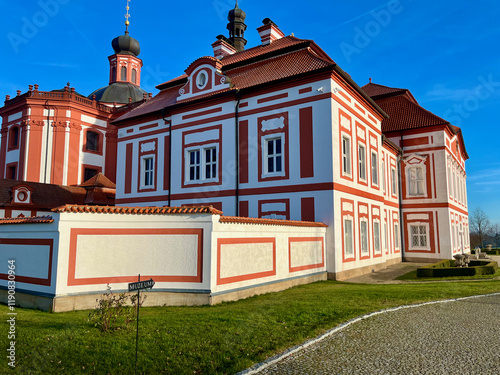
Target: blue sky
(446,52)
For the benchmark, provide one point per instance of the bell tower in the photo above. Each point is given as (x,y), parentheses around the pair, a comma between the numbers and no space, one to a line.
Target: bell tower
(237,27)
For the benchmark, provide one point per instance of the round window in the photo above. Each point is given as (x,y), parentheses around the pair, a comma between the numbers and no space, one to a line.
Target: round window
(202,80)
(21,196)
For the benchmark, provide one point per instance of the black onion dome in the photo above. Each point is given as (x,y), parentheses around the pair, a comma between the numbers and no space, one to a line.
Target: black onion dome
(236,13)
(126,45)
(118,92)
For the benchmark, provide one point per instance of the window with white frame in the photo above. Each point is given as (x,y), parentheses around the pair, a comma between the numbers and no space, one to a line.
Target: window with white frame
(385,236)
(394,182)
(396,235)
(376,237)
(273,155)
(416,181)
(362,162)
(202,164)
(148,171)
(363,228)
(348,237)
(346,155)
(449,182)
(418,233)
(383,176)
(374,168)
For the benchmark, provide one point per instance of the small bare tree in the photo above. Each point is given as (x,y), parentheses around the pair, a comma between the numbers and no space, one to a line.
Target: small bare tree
(479,227)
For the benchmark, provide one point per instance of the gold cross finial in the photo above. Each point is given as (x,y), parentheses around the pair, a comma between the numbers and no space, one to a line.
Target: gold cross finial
(127,16)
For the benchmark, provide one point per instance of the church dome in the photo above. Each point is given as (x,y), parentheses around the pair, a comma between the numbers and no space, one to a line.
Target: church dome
(236,13)
(126,45)
(118,92)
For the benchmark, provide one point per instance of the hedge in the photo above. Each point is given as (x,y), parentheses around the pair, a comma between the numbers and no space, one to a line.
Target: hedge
(446,268)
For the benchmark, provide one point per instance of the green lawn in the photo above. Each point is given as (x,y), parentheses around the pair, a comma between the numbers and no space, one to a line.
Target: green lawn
(220,339)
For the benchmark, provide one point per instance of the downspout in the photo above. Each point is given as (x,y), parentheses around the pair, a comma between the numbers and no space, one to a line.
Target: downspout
(400,197)
(237,148)
(169,156)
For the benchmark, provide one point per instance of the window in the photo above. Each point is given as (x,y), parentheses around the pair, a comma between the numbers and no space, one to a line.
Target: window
(134,76)
(12,172)
(88,173)
(346,155)
(113,74)
(396,235)
(348,245)
(416,181)
(362,162)
(394,182)
(123,75)
(92,143)
(374,168)
(449,181)
(364,237)
(202,80)
(202,164)
(148,171)
(418,236)
(273,156)
(376,237)
(385,236)
(14,137)
(383,176)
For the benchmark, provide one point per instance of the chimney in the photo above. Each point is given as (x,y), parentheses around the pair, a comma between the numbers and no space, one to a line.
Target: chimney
(269,32)
(223,47)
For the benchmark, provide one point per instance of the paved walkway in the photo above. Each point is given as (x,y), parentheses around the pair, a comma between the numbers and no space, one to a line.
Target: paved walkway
(459,337)
(455,337)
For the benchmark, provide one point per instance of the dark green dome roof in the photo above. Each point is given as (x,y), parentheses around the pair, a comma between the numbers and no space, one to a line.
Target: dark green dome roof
(119,92)
(236,13)
(126,45)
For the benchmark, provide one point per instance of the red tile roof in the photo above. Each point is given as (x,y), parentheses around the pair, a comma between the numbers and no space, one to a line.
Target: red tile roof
(28,220)
(99,180)
(374,90)
(250,220)
(137,210)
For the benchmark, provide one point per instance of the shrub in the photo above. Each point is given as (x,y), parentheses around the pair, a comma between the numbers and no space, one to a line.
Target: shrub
(446,268)
(115,311)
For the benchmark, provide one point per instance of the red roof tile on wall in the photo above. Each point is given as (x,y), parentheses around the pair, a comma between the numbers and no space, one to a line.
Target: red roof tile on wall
(137,210)
(251,220)
(28,220)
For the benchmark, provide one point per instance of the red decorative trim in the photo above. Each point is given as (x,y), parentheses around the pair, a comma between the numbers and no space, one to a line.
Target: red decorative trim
(146,127)
(219,156)
(216,205)
(257,221)
(285,213)
(307,209)
(349,133)
(306,142)
(243,209)
(243,105)
(252,276)
(166,162)
(309,266)
(409,142)
(141,154)
(8,169)
(430,221)
(11,145)
(73,247)
(359,108)
(271,98)
(350,213)
(128,168)
(243,145)
(376,217)
(285,146)
(31,242)
(202,113)
(434,175)
(305,90)
(367,217)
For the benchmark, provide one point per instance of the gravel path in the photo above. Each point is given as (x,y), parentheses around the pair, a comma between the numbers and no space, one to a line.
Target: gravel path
(459,337)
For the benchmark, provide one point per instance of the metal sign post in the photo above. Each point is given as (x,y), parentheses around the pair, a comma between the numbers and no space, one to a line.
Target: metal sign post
(138,286)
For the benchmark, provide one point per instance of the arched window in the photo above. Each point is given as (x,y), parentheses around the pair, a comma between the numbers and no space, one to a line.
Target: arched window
(92,141)
(14,137)
(134,76)
(113,74)
(123,75)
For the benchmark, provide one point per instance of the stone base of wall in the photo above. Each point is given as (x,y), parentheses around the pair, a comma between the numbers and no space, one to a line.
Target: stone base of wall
(268,288)
(422,260)
(155,298)
(344,275)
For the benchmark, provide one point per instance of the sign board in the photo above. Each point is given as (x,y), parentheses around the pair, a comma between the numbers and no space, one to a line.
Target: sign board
(146,284)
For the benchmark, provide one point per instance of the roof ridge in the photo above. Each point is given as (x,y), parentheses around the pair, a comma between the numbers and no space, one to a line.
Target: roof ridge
(74,208)
(47,219)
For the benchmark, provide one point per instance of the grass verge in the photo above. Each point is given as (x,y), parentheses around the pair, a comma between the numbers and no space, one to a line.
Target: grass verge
(220,339)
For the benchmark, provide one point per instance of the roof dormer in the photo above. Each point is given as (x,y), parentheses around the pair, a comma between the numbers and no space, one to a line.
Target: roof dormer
(21,194)
(204,77)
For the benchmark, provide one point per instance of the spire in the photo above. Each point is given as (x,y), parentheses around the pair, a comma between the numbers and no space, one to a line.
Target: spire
(237,27)
(127,16)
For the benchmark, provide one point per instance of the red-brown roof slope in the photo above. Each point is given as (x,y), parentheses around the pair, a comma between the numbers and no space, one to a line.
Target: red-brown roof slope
(282,59)
(43,196)
(376,91)
(99,180)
